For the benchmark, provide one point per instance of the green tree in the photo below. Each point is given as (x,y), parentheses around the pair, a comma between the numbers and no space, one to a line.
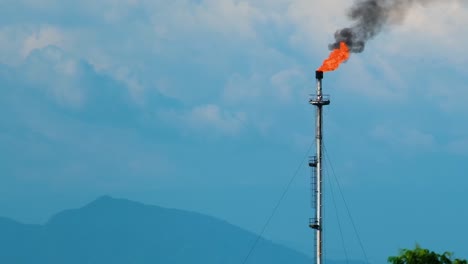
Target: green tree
(424,256)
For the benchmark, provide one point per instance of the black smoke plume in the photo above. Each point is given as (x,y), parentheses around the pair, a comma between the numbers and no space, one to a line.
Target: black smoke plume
(369,18)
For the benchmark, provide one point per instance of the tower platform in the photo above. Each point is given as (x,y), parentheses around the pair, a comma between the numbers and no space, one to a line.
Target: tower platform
(319,100)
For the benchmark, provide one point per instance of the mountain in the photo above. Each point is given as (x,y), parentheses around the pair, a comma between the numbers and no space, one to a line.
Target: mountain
(118,231)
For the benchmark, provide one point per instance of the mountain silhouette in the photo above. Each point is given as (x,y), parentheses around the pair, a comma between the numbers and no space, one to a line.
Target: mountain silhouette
(118,231)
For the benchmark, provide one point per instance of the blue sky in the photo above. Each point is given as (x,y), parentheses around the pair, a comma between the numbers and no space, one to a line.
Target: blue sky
(202,105)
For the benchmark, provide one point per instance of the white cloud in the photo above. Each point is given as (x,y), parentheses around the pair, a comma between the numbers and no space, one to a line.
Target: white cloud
(437,30)
(266,87)
(11,41)
(255,51)
(42,38)
(315,22)
(212,116)
(286,82)
(228,17)
(409,137)
(207,119)
(458,146)
(240,89)
(57,74)
(137,91)
(357,77)
(311,23)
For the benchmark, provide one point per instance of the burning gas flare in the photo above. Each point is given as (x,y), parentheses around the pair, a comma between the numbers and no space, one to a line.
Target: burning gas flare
(337,56)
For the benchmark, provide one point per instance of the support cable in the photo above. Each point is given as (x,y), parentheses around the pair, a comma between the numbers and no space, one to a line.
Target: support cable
(346,204)
(283,195)
(337,217)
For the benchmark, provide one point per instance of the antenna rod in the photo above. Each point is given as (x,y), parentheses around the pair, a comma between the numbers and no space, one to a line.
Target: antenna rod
(319,100)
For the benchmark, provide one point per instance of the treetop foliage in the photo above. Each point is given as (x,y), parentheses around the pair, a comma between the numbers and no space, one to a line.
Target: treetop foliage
(424,256)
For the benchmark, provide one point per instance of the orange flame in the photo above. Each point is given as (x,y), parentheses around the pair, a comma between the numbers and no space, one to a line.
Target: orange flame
(337,56)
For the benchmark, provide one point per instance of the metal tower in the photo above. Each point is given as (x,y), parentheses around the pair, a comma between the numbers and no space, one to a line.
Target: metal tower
(319,100)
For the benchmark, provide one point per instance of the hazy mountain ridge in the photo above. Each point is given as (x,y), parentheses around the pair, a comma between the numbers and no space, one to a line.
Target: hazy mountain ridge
(117,231)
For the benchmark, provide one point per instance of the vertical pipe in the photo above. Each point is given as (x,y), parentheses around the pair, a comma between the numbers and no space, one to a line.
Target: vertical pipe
(319,240)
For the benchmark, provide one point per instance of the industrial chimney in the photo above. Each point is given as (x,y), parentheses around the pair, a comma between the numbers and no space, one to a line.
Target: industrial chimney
(318,100)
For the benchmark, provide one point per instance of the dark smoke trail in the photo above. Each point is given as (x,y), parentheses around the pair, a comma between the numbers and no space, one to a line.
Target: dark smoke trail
(369,18)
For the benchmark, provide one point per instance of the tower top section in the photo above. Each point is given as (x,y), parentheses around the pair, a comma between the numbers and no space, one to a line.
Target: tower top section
(319,99)
(319,75)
